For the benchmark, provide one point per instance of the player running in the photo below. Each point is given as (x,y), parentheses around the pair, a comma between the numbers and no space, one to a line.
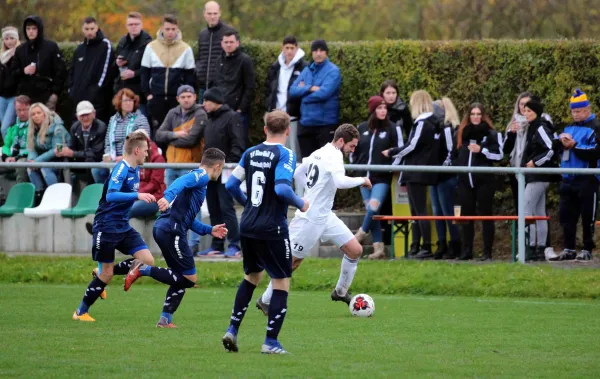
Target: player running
(111,229)
(180,204)
(268,170)
(322,173)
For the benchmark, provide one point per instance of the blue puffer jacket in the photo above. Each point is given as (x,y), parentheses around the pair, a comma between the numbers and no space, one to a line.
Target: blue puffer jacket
(320,107)
(586,152)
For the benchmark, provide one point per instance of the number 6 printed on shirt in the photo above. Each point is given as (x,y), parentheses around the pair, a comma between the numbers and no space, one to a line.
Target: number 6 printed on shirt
(258,180)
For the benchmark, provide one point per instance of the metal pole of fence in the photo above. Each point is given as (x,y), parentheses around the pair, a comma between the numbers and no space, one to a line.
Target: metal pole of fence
(521,213)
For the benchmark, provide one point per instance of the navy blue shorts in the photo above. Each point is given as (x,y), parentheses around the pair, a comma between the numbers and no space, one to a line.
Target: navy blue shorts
(104,244)
(274,256)
(175,250)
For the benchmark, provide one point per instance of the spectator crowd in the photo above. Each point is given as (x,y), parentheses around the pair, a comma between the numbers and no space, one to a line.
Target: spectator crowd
(186,106)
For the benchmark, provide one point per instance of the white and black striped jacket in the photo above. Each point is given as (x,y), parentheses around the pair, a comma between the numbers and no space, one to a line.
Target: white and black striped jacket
(370,146)
(490,142)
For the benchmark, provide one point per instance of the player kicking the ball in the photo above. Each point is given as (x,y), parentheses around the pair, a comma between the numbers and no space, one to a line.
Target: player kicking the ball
(111,229)
(268,169)
(181,203)
(322,173)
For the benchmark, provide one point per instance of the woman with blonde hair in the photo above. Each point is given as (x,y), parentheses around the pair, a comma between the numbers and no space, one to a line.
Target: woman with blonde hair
(8,86)
(421,149)
(46,135)
(442,193)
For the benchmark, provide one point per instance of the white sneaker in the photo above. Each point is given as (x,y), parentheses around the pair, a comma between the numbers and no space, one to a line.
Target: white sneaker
(550,254)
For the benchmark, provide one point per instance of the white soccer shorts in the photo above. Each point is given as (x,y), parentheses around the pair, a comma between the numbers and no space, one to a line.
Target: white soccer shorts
(304,234)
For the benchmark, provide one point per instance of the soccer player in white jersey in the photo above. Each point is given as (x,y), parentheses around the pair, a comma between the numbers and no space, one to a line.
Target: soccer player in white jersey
(321,174)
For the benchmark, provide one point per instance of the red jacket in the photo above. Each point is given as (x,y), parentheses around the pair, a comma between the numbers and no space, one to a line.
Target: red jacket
(153,180)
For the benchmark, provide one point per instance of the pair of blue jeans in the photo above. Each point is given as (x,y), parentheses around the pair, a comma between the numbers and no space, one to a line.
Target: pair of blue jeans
(442,204)
(8,114)
(171,174)
(100,175)
(42,178)
(377,195)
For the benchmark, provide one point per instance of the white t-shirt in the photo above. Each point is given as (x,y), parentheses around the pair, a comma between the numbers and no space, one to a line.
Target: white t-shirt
(323,173)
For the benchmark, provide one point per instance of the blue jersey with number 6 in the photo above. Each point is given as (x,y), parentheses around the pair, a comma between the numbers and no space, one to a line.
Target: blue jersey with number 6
(265,214)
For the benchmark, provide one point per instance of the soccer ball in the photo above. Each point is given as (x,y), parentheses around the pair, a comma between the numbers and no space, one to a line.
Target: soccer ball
(362,305)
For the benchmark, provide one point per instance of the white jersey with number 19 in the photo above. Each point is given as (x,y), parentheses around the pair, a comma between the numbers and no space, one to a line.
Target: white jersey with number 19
(323,173)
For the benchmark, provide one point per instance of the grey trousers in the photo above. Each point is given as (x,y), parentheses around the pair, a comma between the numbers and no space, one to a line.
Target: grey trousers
(535,205)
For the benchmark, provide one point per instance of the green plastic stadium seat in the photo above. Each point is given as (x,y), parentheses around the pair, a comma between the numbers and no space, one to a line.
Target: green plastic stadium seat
(21,196)
(87,204)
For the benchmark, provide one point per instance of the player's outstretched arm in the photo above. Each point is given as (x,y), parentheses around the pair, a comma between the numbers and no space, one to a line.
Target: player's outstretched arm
(201,228)
(113,192)
(190,180)
(342,181)
(285,192)
(233,185)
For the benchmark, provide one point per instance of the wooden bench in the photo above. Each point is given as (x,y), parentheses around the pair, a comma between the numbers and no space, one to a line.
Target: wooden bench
(401,224)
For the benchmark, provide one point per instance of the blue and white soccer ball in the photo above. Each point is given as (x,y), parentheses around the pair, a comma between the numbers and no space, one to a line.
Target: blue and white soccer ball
(362,305)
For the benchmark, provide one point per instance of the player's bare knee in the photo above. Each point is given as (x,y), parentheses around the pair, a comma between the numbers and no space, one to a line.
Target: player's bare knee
(374,205)
(281,284)
(192,278)
(353,249)
(254,277)
(296,262)
(145,256)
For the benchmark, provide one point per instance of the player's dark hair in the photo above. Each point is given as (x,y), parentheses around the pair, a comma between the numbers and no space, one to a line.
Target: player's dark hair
(277,122)
(212,156)
(290,40)
(135,139)
(346,131)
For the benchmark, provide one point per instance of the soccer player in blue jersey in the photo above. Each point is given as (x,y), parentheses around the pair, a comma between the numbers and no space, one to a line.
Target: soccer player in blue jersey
(111,229)
(268,170)
(180,205)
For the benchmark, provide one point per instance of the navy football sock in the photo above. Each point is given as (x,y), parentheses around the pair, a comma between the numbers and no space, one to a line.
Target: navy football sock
(241,303)
(166,276)
(122,268)
(277,312)
(174,296)
(92,293)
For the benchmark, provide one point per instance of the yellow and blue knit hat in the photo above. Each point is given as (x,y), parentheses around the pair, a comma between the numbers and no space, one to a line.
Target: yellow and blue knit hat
(579,99)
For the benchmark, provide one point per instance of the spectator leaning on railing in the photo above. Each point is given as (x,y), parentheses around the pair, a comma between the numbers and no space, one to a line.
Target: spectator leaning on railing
(127,119)
(8,86)
(442,193)
(87,139)
(578,193)
(46,135)
(376,135)
(420,149)
(478,145)
(15,142)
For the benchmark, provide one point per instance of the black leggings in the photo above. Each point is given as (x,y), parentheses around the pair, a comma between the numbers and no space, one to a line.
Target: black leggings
(417,201)
(477,201)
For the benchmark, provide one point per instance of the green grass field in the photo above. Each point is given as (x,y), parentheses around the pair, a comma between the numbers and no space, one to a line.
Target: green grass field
(409,336)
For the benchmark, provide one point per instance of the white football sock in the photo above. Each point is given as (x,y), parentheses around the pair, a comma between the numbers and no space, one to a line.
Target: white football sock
(266,297)
(346,275)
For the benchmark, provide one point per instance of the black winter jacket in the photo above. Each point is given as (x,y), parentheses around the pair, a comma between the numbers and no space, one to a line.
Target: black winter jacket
(209,51)
(421,149)
(399,114)
(8,86)
(91,76)
(539,148)
(235,78)
(272,85)
(224,131)
(51,72)
(93,151)
(490,142)
(370,146)
(132,51)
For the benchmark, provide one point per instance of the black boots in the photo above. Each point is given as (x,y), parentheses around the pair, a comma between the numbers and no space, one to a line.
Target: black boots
(454,250)
(535,254)
(442,249)
(466,254)
(425,252)
(414,250)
